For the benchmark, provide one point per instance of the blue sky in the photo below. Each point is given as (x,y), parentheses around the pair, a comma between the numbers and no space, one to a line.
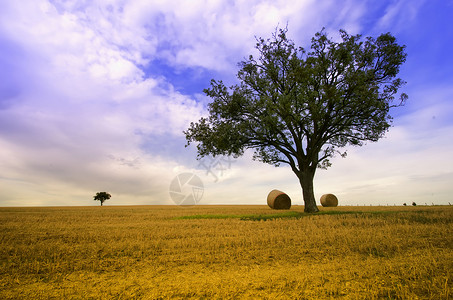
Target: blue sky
(94,96)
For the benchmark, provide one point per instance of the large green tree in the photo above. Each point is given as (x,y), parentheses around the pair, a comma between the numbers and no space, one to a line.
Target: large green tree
(299,108)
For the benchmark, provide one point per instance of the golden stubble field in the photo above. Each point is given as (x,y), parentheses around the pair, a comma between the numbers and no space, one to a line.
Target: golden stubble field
(226,252)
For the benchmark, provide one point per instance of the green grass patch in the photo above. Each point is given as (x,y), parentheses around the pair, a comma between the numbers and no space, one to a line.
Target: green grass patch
(200,217)
(287,215)
(296,215)
(265,217)
(254,217)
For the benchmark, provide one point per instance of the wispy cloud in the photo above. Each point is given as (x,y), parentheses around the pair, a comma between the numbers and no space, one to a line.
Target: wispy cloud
(95,96)
(399,13)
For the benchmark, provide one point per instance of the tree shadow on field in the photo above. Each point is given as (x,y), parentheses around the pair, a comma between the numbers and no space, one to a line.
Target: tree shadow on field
(280,215)
(419,216)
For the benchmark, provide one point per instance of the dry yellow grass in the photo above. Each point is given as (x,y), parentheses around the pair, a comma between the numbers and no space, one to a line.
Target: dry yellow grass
(148,252)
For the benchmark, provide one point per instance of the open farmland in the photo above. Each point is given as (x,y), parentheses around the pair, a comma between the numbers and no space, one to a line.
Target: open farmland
(160,252)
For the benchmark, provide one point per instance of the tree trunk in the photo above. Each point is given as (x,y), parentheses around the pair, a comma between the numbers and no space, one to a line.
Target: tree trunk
(306,182)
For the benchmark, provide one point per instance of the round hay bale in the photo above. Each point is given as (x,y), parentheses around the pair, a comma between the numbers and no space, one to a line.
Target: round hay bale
(329,200)
(278,200)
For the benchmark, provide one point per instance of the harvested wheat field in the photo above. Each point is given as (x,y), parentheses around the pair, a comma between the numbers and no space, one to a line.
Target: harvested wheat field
(226,252)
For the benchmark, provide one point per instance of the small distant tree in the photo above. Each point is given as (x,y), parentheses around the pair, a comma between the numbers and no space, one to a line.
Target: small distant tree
(414,204)
(102,196)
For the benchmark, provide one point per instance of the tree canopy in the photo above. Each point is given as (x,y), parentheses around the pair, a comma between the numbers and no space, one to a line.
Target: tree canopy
(299,107)
(102,196)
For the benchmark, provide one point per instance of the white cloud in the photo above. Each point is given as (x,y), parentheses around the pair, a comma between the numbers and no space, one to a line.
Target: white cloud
(410,164)
(398,14)
(76,129)
(88,110)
